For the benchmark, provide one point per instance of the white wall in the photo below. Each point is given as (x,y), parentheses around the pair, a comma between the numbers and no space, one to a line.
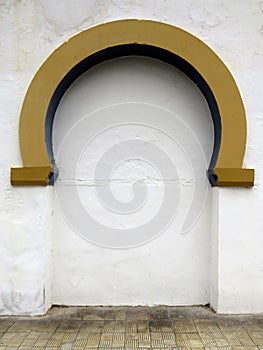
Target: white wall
(125,104)
(30,31)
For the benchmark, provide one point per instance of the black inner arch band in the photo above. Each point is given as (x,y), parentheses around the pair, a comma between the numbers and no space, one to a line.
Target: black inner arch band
(134,50)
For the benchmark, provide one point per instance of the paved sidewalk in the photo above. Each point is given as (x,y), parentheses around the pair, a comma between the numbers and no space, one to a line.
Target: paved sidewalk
(154,328)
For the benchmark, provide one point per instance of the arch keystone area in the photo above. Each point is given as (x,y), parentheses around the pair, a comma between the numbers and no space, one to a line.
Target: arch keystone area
(133,37)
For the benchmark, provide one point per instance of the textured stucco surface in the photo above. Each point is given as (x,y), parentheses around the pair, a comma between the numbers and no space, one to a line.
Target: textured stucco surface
(164,267)
(30,31)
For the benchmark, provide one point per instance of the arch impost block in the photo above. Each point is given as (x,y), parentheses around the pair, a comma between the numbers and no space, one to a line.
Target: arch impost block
(221,177)
(31,176)
(233,177)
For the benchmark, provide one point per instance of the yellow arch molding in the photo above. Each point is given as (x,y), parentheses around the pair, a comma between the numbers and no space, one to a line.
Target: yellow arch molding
(228,167)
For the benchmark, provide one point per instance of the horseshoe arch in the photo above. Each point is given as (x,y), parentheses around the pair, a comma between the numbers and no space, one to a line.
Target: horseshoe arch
(133,37)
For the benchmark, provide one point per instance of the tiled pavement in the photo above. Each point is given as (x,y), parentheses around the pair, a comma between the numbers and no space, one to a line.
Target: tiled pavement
(154,328)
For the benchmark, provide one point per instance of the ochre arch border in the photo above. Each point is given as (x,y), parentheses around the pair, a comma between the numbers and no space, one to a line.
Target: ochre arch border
(227,168)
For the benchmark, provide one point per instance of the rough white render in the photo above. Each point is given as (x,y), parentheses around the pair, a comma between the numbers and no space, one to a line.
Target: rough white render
(30,31)
(163,109)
